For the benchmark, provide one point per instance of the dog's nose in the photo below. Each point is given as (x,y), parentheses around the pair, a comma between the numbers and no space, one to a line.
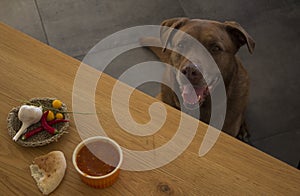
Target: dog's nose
(191,71)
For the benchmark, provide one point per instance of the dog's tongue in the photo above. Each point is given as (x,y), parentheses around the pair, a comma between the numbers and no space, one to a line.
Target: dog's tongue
(189,96)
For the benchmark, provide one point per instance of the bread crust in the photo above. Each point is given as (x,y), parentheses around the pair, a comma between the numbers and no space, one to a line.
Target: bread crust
(48,171)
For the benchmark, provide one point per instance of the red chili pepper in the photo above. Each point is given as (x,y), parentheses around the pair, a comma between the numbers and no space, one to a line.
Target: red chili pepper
(39,129)
(55,121)
(31,133)
(45,124)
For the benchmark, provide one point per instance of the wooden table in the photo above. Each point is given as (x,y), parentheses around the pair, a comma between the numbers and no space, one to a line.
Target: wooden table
(32,69)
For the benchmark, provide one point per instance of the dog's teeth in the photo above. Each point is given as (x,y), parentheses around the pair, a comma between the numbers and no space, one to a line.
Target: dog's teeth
(191,103)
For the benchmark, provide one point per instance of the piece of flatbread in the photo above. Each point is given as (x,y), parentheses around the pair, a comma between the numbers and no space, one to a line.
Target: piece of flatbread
(48,171)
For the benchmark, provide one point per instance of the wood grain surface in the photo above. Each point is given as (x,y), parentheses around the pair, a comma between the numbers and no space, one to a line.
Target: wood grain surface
(32,69)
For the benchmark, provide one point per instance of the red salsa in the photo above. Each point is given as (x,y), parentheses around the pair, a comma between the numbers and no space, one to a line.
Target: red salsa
(97,159)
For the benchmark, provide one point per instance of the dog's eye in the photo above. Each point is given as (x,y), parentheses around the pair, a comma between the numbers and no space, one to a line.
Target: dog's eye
(215,49)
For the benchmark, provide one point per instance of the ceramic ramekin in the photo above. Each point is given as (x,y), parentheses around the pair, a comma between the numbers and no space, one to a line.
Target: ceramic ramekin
(104,180)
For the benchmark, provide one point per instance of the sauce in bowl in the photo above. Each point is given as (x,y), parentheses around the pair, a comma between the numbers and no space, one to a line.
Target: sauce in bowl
(97,158)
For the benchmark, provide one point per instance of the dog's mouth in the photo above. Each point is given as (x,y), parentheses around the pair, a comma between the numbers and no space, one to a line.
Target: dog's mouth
(193,96)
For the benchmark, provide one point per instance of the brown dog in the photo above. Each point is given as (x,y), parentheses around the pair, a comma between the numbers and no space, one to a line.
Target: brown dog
(222,41)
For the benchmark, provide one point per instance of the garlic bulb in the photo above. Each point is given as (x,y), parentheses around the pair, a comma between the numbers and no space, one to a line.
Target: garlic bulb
(28,115)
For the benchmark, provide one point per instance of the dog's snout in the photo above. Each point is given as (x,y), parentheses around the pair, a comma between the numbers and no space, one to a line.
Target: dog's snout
(191,71)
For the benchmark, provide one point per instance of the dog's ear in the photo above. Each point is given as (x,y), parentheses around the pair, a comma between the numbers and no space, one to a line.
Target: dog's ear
(168,28)
(239,35)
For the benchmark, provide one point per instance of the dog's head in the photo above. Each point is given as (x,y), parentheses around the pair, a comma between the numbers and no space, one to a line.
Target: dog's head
(195,76)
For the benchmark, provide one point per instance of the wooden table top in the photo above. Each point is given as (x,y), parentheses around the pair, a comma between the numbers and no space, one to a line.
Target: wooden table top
(32,69)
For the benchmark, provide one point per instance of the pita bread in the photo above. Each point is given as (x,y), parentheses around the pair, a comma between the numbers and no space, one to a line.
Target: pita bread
(48,171)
